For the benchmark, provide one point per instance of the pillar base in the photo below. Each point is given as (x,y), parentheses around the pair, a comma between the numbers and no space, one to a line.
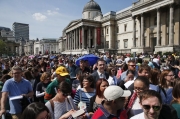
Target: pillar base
(164,49)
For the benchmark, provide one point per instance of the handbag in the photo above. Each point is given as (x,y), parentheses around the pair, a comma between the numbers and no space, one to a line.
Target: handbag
(81,105)
(24,102)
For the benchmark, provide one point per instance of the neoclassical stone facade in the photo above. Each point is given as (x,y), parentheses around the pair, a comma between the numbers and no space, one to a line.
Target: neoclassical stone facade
(46,46)
(146,26)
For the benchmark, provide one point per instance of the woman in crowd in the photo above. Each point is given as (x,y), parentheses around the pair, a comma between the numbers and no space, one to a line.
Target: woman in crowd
(167,83)
(87,90)
(59,106)
(36,110)
(155,74)
(27,75)
(97,99)
(176,97)
(76,82)
(41,86)
(112,75)
(140,84)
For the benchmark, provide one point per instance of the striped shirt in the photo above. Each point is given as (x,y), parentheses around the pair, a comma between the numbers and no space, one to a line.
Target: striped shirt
(85,97)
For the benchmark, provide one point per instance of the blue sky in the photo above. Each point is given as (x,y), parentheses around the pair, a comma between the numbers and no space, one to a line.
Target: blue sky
(47,18)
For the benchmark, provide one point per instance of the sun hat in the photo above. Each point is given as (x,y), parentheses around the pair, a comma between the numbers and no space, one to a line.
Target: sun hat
(115,92)
(62,71)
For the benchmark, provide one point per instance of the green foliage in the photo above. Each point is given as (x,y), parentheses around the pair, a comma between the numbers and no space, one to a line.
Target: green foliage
(2,46)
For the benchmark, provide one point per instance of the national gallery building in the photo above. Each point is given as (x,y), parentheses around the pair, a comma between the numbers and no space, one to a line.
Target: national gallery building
(146,26)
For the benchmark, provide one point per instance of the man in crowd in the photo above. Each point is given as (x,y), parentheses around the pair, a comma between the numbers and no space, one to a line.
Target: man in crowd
(15,86)
(82,67)
(71,68)
(151,104)
(100,73)
(112,106)
(61,73)
(144,70)
(131,66)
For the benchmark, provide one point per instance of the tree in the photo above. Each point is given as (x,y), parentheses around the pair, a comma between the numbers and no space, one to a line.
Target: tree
(2,46)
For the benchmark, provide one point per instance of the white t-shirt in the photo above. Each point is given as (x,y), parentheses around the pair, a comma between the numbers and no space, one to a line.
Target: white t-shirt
(138,116)
(127,59)
(136,108)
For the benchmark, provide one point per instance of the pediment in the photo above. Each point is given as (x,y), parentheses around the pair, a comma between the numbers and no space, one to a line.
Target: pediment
(72,23)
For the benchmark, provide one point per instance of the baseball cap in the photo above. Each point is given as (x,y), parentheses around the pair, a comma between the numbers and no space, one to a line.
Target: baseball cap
(62,71)
(114,92)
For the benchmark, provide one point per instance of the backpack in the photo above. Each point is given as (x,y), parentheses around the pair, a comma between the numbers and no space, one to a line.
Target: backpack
(168,112)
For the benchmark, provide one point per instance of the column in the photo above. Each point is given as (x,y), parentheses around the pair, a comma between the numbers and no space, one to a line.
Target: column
(158,27)
(89,38)
(82,37)
(74,40)
(142,30)
(110,40)
(79,41)
(105,38)
(134,31)
(95,38)
(171,26)
(68,41)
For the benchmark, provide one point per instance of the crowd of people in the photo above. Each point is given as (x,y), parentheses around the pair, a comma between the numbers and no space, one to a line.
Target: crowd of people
(116,87)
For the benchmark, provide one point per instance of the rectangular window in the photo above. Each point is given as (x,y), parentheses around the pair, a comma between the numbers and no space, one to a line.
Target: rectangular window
(125,43)
(125,27)
(107,31)
(117,29)
(145,39)
(107,44)
(118,44)
(155,21)
(136,42)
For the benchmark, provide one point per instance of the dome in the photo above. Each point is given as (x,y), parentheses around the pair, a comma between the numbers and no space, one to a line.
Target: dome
(92,5)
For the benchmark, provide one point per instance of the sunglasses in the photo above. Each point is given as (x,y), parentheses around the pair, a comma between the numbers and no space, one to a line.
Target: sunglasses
(65,94)
(155,108)
(132,65)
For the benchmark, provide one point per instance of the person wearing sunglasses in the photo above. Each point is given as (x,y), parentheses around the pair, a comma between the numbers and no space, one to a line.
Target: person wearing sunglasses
(151,104)
(131,66)
(141,83)
(59,106)
(153,108)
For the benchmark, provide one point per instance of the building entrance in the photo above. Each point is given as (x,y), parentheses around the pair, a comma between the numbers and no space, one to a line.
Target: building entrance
(153,43)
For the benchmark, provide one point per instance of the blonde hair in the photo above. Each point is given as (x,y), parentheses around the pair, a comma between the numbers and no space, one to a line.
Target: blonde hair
(44,76)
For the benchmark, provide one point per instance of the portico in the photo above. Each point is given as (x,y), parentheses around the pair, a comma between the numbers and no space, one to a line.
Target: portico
(154,37)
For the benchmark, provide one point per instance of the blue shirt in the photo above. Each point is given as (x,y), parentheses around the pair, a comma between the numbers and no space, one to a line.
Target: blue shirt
(166,99)
(16,89)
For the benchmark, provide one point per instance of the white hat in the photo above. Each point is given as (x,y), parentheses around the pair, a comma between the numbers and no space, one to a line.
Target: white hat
(114,92)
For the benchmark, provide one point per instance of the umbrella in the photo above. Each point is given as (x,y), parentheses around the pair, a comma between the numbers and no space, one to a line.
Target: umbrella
(52,57)
(92,59)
